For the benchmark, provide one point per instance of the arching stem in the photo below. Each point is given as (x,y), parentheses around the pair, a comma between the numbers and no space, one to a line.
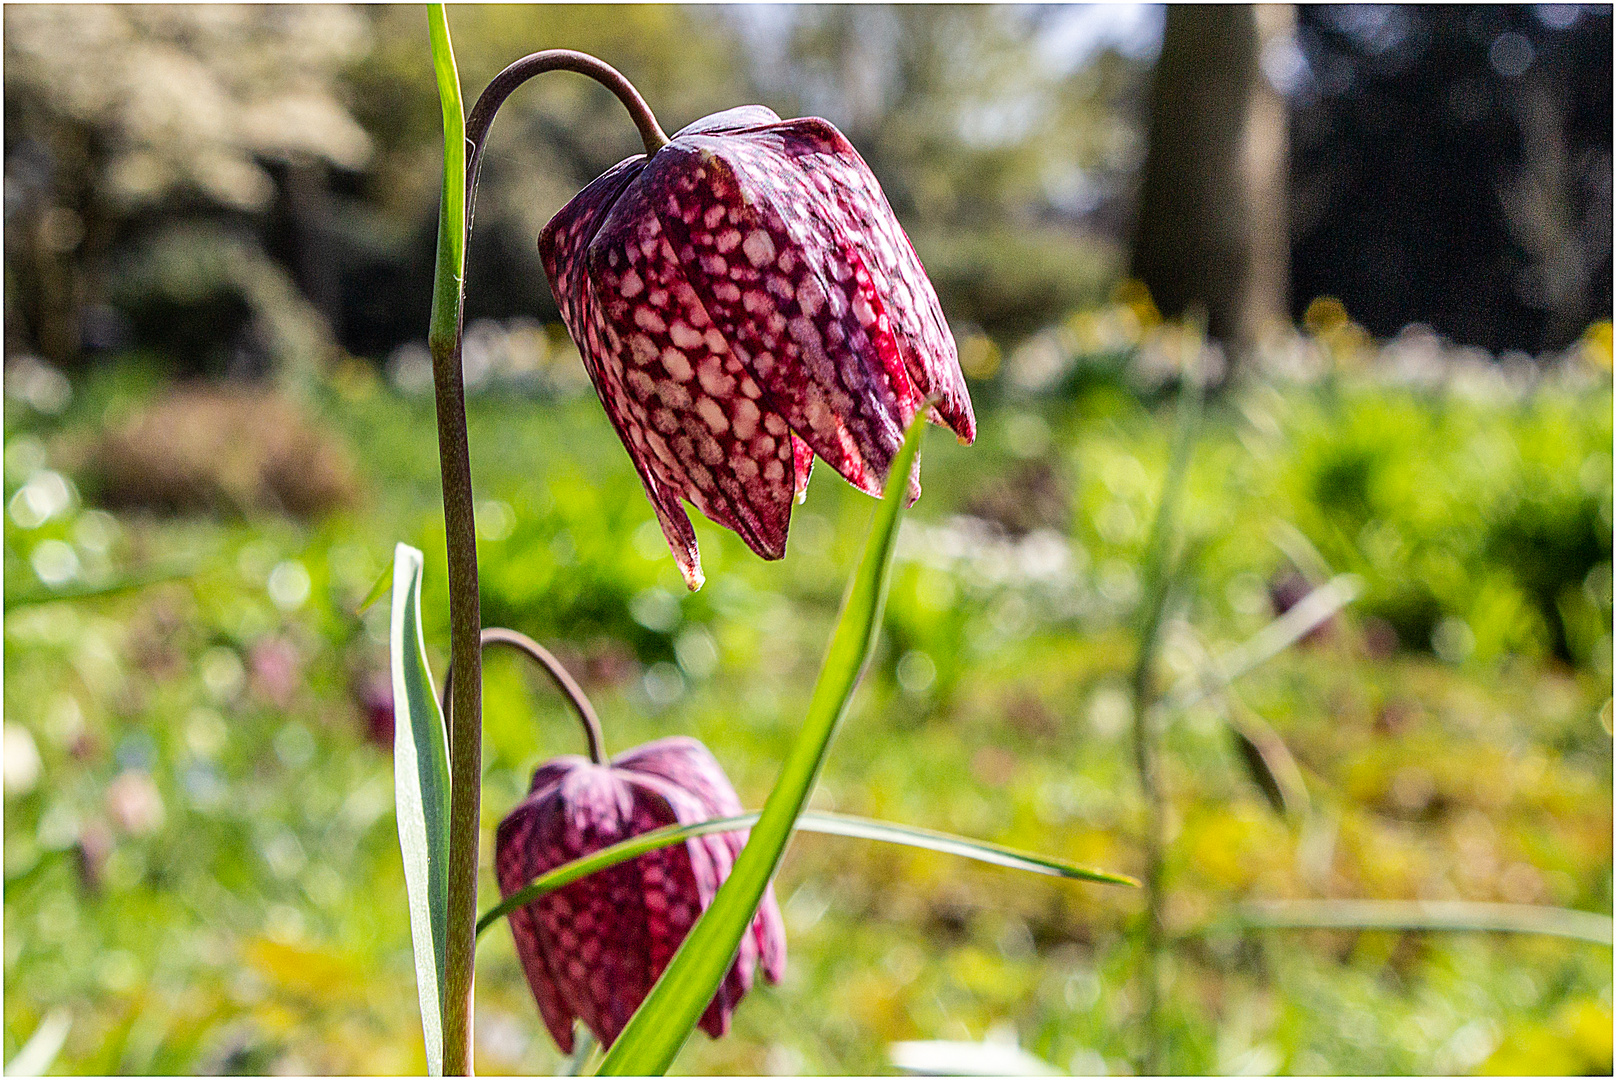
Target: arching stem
(463,151)
(522,643)
(502,85)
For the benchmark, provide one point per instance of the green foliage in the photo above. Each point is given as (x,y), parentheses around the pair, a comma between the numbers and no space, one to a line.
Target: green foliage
(421,797)
(263,924)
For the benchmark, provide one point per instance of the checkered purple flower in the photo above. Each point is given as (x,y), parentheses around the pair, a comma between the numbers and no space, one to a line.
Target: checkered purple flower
(744,301)
(593,949)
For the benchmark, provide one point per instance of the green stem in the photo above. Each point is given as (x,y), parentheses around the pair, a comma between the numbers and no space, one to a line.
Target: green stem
(1159,579)
(465,716)
(460,535)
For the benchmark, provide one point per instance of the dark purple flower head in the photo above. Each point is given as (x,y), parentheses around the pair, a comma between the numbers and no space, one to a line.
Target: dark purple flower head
(745,300)
(592,950)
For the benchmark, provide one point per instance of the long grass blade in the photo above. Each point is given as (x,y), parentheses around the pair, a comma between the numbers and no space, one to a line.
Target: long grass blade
(1275,638)
(1446,915)
(662,1024)
(810,821)
(421,796)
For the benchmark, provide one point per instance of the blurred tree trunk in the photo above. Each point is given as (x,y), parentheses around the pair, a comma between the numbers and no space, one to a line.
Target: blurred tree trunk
(1212,228)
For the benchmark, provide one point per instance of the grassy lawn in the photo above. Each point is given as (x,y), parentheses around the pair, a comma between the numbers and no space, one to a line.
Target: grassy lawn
(204,869)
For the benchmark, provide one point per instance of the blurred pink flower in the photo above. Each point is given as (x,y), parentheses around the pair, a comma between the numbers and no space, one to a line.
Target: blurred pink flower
(134,803)
(276,670)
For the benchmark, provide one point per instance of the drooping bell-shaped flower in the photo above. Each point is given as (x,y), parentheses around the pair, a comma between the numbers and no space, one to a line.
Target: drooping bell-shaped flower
(744,300)
(593,949)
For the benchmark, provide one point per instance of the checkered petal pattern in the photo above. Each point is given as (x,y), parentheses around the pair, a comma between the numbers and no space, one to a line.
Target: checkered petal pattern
(592,950)
(745,300)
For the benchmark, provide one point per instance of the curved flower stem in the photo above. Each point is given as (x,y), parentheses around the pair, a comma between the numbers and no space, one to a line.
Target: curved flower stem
(522,643)
(463,151)
(519,72)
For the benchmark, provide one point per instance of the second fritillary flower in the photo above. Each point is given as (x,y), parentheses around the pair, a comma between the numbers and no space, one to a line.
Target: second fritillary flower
(593,949)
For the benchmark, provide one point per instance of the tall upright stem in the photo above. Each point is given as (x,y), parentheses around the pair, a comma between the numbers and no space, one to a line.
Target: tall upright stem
(460,536)
(463,149)
(1159,578)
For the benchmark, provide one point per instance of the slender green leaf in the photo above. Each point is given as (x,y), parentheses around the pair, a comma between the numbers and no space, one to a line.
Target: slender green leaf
(809,821)
(421,796)
(1447,915)
(384,582)
(449,272)
(1268,760)
(1279,635)
(659,1028)
(21,598)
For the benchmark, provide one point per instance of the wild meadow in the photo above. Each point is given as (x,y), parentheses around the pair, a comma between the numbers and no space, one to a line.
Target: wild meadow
(201,865)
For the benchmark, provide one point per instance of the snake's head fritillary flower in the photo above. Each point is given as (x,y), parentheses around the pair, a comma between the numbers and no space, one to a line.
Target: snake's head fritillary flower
(745,300)
(593,949)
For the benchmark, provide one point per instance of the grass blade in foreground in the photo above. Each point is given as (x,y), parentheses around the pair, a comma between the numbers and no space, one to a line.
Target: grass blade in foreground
(421,796)
(810,821)
(662,1024)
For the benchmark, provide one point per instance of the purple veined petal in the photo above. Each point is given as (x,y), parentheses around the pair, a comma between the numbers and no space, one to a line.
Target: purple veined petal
(802,465)
(597,928)
(815,150)
(711,859)
(590,935)
(564,238)
(928,346)
(742,116)
(555,771)
(592,949)
(756,255)
(663,486)
(769,929)
(706,425)
(670,878)
(562,245)
(516,863)
(685,762)
(761,248)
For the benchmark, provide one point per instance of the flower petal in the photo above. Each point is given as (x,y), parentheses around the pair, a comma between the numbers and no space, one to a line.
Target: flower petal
(561,247)
(742,116)
(923,334)
(701,415)
(564,238)
(592,933)
(700,867)
(517,861)
(761,245)
(684,761)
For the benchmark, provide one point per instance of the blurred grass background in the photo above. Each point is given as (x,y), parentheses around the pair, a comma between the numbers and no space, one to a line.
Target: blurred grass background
(204,481)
